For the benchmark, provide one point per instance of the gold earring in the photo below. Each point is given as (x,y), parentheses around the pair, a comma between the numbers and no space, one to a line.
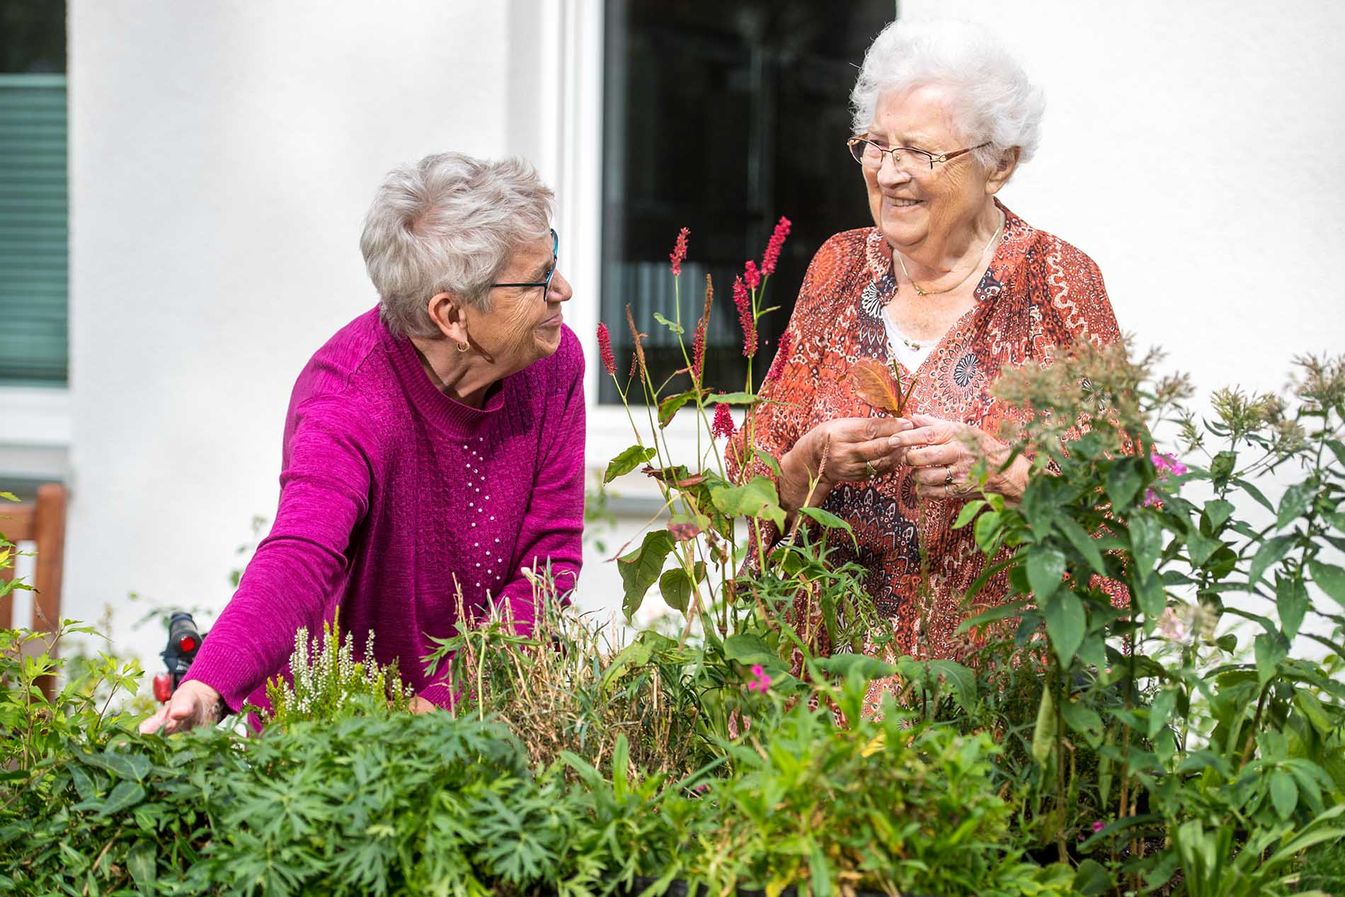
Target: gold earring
(462,347)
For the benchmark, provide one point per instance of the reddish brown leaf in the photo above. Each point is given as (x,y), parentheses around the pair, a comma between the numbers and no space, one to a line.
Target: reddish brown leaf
(873,383)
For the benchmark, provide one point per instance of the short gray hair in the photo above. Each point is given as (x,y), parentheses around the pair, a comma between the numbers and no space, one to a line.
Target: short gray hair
(449,223)
(999,105)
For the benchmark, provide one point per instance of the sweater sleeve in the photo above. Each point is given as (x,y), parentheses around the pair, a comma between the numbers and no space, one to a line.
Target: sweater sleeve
(551,536)
(295,575)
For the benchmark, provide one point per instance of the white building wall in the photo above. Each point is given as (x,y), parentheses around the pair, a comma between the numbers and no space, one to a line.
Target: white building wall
(222,157)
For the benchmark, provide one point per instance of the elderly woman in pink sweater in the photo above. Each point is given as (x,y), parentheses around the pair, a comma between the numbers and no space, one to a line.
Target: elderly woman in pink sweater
(435,443)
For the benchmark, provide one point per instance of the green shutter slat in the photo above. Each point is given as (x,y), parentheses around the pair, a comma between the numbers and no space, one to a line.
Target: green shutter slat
(34,230)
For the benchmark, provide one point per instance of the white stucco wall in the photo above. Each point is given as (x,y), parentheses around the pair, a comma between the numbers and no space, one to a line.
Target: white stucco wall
(222,158)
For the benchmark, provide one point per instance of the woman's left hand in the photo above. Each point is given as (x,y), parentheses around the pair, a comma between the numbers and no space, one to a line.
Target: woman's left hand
(943,454)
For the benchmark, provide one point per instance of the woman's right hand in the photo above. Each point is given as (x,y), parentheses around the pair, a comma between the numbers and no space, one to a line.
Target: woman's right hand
(847,449)
(193,704)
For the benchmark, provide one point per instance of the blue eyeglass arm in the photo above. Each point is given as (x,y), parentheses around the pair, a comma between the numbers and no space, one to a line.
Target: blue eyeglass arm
(555,254)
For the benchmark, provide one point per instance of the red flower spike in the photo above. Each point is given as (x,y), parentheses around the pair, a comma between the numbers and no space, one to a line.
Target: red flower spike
(772,254)
(679,253)
(744,304)
(605,349)
(751,275)
(723,422)
(781,356)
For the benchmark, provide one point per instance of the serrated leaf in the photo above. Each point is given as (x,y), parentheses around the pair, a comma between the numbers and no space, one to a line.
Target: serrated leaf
(1044,732)
(627,461)
(1283,793)
(872,382)
(1065,624)
(1329,578)
(640,568)
(1271,552)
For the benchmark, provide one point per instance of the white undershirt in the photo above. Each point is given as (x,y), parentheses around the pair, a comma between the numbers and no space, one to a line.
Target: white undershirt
(909,352)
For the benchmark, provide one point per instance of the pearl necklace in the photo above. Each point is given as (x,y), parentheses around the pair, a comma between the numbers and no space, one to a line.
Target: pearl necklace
(921,291)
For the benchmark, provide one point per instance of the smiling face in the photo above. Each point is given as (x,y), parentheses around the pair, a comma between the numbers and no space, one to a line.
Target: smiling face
(522,325)
(914,206)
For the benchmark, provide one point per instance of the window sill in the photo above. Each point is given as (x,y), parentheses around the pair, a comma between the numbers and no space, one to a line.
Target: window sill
(35,429)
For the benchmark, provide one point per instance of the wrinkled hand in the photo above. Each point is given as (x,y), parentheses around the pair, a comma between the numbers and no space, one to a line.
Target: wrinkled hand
(193,704)
(943,453)
(852,449)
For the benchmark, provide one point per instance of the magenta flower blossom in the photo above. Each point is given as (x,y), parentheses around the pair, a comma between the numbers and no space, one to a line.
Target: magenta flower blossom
(679,253)
(723,422)
(605,349)
(777,240)
(760,681)
(1166,466)
(749,325)
(751,275)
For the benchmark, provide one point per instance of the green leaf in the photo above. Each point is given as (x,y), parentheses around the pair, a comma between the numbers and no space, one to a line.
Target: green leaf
(986,528)
(1043,734)
(757,498)
(1217,511)
(1123,482)
(1045,567)
(126,795)
(1292,602)
(1150,596)
(1283,793)
(820,870)
(142,863)
(1329,578)
(748,649)
(1092,879)
(627,461)
(1083,543)
(732,398)
(1269,649)
(1271,552)
(1292,504)
(640,569)
(1252,490)
(675,586)
(123,766)
(1083,719)
(1222,466)
(1066,622)
(1146,541)
(669,406)
(1160,711)
(671,325)
(825,518)
(968,512)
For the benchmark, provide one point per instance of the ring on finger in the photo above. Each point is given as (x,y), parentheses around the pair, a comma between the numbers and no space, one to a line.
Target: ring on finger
(870,469)
(948,477)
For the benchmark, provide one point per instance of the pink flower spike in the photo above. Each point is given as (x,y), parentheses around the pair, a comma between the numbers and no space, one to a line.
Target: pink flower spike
(751,275)
(1167,464)
(723,422)
(777,240)
(679,253)
(761,682)
(605,349)
(744,304)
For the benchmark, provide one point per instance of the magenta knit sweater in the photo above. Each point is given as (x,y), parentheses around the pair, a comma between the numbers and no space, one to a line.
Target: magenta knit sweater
(390,492)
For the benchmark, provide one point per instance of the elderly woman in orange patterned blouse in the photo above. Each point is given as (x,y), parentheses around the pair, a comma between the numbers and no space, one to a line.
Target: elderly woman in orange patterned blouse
(952,288)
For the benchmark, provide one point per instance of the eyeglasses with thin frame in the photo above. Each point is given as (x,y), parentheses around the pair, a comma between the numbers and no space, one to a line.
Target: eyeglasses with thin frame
(870,155)
(545,284)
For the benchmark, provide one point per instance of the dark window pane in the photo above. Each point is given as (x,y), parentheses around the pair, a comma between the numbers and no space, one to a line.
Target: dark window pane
(32,36)
(722,118)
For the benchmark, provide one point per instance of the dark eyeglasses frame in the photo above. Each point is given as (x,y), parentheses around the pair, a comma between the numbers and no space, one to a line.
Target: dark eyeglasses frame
(857,145)
(555,259)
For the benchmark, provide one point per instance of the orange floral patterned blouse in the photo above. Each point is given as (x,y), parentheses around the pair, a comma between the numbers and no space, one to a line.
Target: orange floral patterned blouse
(1038,296)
